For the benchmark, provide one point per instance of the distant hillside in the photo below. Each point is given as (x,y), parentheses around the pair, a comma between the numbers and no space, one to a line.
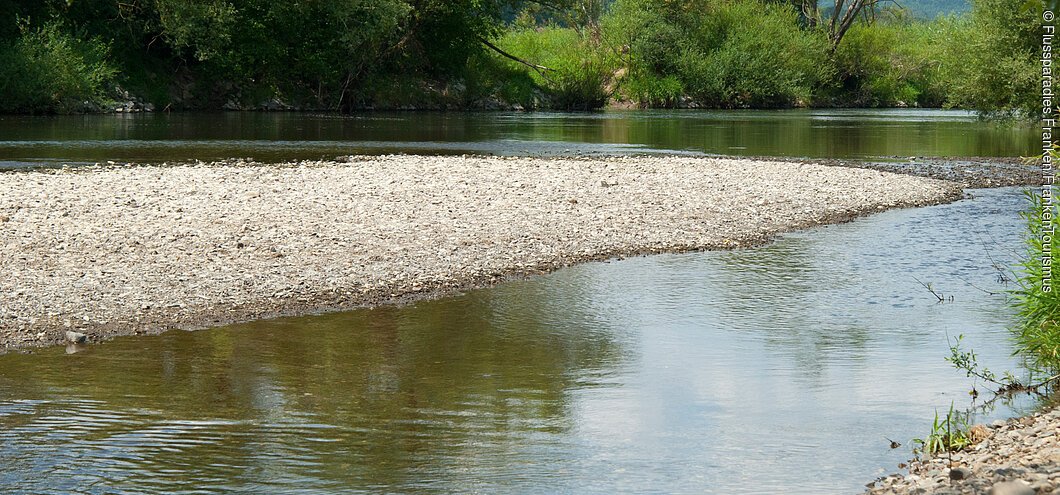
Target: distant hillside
(922,9)
(930,9)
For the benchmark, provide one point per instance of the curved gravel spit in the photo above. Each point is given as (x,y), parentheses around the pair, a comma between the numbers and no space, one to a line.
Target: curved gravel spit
(141,249)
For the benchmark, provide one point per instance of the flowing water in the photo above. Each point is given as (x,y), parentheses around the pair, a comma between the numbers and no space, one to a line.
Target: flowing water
(161,137)
(779,369)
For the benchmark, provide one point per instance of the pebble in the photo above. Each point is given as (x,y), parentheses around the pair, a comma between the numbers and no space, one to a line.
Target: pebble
(76,337)
(960,473)
(1011,488)
(148,248)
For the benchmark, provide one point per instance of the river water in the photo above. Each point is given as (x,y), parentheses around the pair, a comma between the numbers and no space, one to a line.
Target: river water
(779,369)
(285,136)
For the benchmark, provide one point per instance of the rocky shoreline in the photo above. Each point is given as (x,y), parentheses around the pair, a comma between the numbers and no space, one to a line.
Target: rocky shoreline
(120,250)
(1020,456)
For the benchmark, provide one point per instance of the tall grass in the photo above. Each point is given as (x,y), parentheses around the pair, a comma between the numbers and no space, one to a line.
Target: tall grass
(1038,295)
(578,69)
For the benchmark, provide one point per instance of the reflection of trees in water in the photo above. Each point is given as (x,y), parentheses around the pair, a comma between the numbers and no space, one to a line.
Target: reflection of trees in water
(790,133)
(399,394)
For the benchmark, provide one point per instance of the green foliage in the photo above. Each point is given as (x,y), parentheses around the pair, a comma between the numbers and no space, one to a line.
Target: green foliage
(948,434)
(347,54)
(491,77)
(996,58)
(578,70)
(654,91)
(889,64)
(725,54)
(306,51)
(1038,334)
(46,70)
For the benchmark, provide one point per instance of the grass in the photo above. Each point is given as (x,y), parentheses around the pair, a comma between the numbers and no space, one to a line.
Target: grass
(579,69)
(1037,299)
(950,433)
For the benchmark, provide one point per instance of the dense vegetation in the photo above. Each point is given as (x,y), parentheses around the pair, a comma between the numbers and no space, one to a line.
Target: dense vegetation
(1038,295)
(71,55)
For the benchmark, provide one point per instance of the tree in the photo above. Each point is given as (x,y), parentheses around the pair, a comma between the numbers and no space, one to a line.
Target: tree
(846,12)
(995,63)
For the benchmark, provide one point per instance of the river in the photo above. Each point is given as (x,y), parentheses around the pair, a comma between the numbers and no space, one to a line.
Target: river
(779,369)
(873,134)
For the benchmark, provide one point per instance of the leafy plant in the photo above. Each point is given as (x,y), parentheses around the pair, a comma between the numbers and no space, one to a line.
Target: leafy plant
(948,434)
(654,91)
(995,59)
(723,54)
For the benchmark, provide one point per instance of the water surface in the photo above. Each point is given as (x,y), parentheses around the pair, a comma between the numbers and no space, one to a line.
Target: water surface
(159,137)
(779,369)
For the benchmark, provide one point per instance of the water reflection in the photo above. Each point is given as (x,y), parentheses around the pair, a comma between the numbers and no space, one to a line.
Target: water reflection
(771,370)
(286,136)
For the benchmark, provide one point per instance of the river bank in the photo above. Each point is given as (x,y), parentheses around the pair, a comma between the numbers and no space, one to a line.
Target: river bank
(1020,456)
(121,250)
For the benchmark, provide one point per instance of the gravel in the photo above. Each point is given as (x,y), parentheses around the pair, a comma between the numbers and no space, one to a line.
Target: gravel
(1018,456)
(118,250)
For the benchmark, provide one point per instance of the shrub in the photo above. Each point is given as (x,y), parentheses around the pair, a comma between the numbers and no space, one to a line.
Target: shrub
(995,69)
(49,71)
(654,91)
(725,54)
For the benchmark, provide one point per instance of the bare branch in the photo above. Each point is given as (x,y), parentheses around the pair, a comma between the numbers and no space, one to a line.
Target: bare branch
(932,291)
(541,69)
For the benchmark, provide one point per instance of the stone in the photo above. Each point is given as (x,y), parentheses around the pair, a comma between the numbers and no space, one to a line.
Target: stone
(960,473)
(340,228)
(1009,471)
(1042,487)
(76,337)
(1011,488)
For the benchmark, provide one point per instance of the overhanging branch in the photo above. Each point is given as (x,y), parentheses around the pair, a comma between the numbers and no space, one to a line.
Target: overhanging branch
(541,69)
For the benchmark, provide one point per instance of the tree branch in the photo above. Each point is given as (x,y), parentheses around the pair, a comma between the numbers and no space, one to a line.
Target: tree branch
(541,69)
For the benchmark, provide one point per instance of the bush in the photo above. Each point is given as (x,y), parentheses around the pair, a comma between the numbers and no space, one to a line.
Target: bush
(653,91)
(889,64)
(489,76)
(996,59)
(729,54)
(49,71)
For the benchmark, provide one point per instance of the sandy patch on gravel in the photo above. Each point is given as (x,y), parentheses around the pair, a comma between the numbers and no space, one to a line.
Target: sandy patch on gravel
(122,250)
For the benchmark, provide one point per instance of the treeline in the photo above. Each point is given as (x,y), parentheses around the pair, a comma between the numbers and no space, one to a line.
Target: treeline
(83,55)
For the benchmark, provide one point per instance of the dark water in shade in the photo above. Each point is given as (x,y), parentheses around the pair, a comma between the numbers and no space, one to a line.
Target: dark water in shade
(285,136)
(772,370)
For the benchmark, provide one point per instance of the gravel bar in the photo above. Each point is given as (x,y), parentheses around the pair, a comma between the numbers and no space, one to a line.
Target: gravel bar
(1020,456)
(119,250)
